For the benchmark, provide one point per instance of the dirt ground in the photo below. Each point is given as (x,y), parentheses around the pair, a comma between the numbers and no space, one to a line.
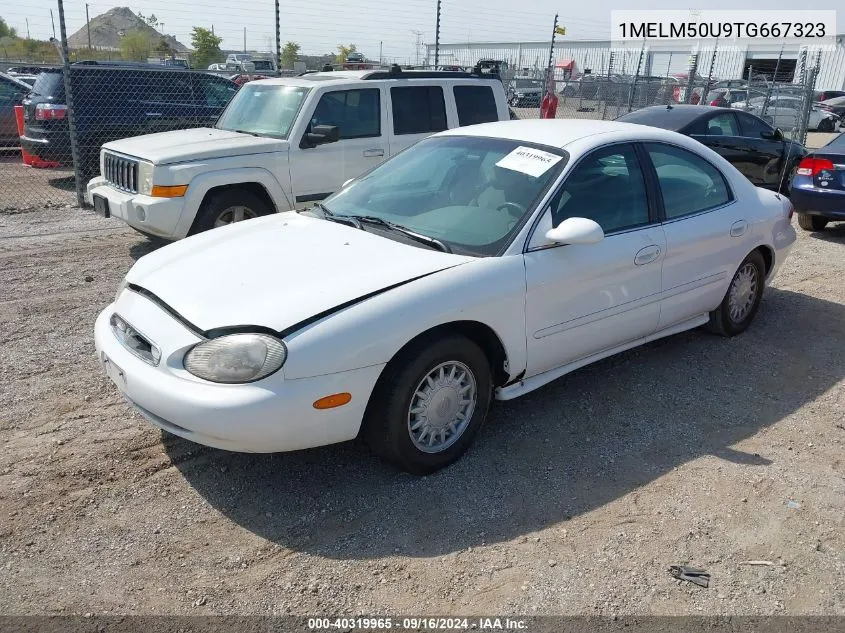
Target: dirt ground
(574,500)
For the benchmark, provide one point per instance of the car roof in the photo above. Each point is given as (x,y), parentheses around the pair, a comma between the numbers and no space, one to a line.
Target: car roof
(337,77)
(673,117)
(834,101)
(558,132)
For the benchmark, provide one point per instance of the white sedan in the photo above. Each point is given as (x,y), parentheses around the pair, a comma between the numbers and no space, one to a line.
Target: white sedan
(482,263)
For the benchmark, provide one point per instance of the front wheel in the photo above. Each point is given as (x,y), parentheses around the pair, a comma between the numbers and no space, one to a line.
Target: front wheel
(741,302)
(811,222)
(430,403)
(227,207)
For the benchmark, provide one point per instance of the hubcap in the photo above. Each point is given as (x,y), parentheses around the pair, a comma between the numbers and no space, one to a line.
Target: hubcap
(441,407)
(743,293)
(234,214)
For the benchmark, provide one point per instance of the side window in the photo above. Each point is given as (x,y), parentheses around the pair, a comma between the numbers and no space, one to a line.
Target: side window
(752,126)
(476,104)
(418,109)
(606,186)
(215,94)
(356,113)
(722,125)
(168,88)
(688,183)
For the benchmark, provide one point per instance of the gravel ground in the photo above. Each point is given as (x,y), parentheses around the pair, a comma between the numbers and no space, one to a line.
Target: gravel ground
(574,500)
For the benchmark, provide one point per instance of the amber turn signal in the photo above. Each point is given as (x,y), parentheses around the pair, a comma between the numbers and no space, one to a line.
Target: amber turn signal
(332,401)
(170,191)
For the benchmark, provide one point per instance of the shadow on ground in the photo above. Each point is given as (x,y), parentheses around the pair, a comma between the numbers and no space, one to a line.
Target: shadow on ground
(573,446)
(834,232)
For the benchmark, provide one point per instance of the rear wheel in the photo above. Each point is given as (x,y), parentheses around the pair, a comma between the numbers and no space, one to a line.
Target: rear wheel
(741,302)
(826,125)
(811,222)
(430,403)
(226,207)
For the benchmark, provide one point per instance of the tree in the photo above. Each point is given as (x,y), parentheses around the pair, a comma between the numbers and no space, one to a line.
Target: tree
(289,54)
(6,30)
(163,48)
(206,47)
(136,45)
(151,20)
(343,52)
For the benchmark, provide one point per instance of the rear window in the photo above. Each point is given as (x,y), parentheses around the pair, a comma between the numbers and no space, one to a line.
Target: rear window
(476,104)
(49,85)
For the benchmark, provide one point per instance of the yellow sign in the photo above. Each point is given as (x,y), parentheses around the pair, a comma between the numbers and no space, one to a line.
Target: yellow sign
(560,30)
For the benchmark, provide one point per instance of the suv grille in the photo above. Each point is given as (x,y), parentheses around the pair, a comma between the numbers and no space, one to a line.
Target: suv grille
(121,172)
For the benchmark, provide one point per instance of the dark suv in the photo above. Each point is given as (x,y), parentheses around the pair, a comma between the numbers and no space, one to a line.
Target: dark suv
(113,102)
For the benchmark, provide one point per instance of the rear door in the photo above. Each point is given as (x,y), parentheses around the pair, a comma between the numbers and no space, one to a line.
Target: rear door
(168,102)
(416,111)
(317,172)
(722,133)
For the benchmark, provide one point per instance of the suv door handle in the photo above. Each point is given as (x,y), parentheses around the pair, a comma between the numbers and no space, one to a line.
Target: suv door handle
(371,153)
(647,255)
(153,113)
(738,228)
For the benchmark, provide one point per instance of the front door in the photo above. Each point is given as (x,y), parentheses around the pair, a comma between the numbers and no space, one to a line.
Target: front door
(317,172)
(584,299)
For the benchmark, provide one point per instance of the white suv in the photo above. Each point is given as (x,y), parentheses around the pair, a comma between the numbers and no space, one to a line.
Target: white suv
(283,144)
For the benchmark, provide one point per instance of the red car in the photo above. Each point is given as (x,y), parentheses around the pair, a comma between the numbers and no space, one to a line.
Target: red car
(242,79)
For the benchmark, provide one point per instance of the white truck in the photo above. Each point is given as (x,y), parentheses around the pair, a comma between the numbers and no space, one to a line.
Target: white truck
(283,144)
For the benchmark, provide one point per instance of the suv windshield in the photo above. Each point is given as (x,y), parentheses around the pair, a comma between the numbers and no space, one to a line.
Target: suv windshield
(472,193)
(263,109)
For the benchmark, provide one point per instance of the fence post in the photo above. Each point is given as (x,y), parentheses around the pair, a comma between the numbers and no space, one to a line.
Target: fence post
(771,84)
(636,76)
(710,74)
(71,113)
(437,38)
(278,39)
(693,71)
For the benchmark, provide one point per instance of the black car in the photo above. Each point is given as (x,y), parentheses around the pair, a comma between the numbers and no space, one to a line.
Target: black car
(117,101)
(753,146)
(12,92)
(818,187)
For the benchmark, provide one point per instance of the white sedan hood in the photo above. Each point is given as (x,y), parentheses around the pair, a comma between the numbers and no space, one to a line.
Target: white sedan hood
(278,271)
(194,144)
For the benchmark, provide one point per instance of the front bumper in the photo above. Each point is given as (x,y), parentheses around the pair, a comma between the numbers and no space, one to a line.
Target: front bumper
(153,216)
(271,415)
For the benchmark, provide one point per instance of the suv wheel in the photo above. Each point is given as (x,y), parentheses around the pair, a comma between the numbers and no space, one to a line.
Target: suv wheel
(226,207)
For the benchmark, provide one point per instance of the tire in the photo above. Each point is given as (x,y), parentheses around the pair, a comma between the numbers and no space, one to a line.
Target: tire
(388,422)
(826,125)
(812,222)
(218,207)
(742,300)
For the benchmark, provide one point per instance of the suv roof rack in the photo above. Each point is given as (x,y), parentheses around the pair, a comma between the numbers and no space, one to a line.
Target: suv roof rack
(396,72)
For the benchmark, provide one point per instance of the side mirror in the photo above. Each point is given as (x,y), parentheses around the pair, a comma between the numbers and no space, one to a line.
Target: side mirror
(774,135)
(320,135)
(576,231)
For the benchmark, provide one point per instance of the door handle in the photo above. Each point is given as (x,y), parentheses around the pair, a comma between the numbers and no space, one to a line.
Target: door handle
(738,228)
(372,153)
(153,113)
(647,255)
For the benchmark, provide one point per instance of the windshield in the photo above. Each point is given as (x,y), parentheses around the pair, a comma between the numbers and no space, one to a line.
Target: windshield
(266,110)
(472,193)
(522,84)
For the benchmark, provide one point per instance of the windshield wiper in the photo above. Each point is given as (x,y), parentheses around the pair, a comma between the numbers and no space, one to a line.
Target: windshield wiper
(417,237)
(340,219)
(246,132)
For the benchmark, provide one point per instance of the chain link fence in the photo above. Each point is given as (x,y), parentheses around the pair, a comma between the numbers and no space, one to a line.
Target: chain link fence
(52,149)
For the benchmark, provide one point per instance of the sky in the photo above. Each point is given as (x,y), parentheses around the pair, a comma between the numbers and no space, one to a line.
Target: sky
(392,28)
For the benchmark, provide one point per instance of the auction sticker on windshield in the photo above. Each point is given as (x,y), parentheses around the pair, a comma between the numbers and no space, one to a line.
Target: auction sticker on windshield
(534,162)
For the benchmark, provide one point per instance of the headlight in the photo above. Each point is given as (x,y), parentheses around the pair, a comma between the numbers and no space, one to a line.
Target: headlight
(120,289)
(145,178)
(236,358)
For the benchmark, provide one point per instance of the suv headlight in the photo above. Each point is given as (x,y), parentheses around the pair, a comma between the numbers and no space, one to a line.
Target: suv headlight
(236,358)
(145,178)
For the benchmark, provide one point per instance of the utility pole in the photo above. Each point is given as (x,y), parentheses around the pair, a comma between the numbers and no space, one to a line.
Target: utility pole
(27,29)
(244,39)
(88,26)
(53,22)
(437,39)
(381,54)
(419,39)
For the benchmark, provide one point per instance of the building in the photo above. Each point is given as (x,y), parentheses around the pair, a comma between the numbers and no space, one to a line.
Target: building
(657,58)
